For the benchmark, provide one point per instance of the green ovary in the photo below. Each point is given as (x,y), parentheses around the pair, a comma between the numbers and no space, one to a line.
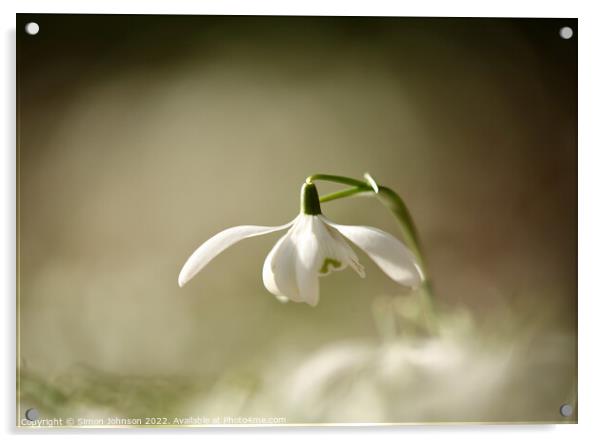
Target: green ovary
(328,262)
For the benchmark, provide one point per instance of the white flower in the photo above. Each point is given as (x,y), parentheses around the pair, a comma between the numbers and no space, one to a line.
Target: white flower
(314,246)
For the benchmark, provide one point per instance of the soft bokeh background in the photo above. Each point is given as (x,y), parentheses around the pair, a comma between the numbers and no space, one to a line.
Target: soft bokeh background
(140,137)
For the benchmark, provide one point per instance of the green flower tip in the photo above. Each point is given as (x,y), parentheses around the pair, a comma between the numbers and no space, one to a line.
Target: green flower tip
(310,200)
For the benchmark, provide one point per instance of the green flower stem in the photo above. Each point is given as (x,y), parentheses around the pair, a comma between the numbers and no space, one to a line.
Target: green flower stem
(345,193)
(386,196)
(336,179)
(399,209)
(397,206)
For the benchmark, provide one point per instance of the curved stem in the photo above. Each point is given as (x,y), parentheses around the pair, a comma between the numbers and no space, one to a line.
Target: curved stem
(386,195)
(342,194)
(337,179)
(400,211)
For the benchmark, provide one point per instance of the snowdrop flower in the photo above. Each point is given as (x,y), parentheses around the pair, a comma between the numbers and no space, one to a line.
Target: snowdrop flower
(313,247)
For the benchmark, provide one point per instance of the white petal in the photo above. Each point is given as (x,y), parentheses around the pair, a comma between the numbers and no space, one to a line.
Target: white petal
(391,255)
(216,244)
(334,252)
(320,249)
(279,274)
(307,280)
(309,259)
(343,252)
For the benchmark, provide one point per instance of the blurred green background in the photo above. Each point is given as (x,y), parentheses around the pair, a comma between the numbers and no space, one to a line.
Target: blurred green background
(142,136)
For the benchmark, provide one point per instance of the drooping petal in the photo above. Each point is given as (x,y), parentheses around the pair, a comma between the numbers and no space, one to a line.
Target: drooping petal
(218,243)
(391,255)
(320,249)
(309,259)
(279,274)
(343,252)
(310,249)
(333,251)
(307,280)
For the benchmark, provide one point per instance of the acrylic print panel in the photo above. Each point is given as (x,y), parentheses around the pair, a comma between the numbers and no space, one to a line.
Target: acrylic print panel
(296,220)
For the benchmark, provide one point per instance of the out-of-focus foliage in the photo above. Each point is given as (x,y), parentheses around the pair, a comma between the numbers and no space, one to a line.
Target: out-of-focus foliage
(462,374)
